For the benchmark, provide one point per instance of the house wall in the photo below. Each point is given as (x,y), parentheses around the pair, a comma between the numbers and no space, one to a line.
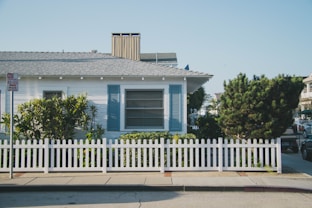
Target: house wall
(96,91)
(305,102)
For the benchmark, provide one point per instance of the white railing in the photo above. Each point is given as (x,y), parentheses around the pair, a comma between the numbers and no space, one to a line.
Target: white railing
(306,94)
(146,155)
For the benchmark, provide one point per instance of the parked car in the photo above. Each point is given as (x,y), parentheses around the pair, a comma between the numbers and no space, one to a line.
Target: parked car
(306,149)
(304,127)
(307,129)
(289,141)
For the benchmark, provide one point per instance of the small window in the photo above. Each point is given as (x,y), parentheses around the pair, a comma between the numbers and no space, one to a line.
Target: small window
(0,109)
(144,109)
(51,94)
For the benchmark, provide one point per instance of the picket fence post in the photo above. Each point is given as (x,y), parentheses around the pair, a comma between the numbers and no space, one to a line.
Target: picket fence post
(279,154)
(46,155)
(162,155)
(104,157)
(220,155)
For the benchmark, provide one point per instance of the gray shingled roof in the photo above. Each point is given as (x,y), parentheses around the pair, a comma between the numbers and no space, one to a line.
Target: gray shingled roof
(88,65)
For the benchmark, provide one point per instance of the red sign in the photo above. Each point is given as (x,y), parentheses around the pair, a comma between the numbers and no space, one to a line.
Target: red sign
(12,81)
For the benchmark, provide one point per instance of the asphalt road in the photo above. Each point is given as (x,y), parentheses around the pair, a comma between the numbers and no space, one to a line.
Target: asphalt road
(293,162)
(156,199)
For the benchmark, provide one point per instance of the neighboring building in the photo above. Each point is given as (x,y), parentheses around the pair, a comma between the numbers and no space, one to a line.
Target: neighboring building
(164,59)
(211,105)
(130,95)
(305,102)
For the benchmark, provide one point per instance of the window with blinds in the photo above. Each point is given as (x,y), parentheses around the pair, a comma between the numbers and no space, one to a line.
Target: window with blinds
(51,94)
(144,109)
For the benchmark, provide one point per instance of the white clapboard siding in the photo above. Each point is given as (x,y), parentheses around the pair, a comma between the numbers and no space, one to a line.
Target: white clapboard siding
(142,155)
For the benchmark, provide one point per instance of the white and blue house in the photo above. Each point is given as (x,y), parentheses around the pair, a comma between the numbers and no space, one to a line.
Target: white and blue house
(129,95)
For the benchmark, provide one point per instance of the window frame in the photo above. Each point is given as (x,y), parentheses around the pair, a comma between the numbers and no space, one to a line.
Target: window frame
(123,89)
(1,110)
(154,104)
(3,106)
(59,93)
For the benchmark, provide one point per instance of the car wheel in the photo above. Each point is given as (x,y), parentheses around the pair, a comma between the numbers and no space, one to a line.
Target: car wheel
(304,154)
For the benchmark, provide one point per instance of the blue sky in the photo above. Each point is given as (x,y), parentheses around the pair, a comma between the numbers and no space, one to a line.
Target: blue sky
(220,37)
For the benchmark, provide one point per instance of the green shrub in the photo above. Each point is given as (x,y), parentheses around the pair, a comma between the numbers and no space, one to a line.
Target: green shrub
(155,136)
(55,118)
(145,136)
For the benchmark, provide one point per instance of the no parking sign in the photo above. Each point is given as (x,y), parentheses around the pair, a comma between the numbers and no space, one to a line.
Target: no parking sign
(12,81)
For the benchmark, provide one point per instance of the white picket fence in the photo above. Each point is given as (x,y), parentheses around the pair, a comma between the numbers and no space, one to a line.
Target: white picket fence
(146,155)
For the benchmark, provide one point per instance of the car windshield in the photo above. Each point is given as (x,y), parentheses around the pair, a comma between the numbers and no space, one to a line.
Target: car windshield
(305,121)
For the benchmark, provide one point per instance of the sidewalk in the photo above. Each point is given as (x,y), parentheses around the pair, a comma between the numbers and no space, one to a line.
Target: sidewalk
(155,181)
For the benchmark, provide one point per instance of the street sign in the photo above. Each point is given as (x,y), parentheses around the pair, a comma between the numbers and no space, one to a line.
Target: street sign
(12,81)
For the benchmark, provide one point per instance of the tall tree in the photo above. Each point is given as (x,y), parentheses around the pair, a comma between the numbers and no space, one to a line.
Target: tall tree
(208,127)
(196,99)
(259,108)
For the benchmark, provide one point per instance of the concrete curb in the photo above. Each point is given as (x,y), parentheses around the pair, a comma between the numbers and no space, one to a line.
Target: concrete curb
(146,188)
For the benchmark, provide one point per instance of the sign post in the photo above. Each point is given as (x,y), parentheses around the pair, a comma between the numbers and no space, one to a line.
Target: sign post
(12,85)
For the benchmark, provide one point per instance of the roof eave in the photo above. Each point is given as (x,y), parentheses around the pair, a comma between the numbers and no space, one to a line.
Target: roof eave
(193,83)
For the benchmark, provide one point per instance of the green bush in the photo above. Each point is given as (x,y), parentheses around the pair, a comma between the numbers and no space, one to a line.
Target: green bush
(155,136)
(55,118)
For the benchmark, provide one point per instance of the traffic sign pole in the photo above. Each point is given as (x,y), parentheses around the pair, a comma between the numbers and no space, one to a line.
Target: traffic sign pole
(12,85)
(11,134)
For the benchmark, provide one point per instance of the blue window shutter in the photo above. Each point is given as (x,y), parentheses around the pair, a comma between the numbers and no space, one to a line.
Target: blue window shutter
(175,111)
(113,108)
